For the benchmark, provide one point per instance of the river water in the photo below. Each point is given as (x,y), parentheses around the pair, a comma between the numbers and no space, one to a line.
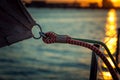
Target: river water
(34,60)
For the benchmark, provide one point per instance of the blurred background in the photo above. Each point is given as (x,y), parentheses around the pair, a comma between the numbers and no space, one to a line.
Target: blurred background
(88,19)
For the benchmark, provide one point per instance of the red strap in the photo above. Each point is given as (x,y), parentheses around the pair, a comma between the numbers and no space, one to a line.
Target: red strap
(54,38)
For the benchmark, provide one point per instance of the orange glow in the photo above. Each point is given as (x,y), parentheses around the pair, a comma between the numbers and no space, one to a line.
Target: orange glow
(116,3)
(111,33)
(107,76)
(86,2)
(110,63)
(82,2)
(110,40)
(114,0)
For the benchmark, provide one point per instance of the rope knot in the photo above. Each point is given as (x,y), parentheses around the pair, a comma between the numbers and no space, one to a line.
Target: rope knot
(52,37)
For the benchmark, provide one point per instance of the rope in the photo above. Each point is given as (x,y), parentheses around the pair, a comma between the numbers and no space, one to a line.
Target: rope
(54,38)
(105,47)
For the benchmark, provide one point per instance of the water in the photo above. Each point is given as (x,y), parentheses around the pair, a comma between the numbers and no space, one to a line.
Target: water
(33,60)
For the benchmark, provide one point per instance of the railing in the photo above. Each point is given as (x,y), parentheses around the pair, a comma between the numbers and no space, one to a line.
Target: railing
(95,64)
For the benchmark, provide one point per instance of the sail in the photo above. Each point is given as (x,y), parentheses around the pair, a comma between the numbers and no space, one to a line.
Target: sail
(15,22)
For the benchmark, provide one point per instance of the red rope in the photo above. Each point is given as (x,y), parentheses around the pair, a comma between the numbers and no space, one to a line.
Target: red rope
(54,38)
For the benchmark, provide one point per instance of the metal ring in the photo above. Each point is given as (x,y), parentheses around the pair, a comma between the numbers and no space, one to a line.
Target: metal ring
(39,32)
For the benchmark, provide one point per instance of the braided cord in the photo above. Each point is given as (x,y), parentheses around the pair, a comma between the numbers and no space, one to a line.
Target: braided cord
(54,38)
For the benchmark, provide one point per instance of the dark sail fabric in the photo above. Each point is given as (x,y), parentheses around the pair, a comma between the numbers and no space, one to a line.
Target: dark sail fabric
(15,22)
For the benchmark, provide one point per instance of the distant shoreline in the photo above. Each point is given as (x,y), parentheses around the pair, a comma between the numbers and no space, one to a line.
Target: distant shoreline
(73,8)
(43,4)
(65,6)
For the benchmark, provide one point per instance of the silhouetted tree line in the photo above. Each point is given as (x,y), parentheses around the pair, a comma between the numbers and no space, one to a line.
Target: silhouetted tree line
(106,4)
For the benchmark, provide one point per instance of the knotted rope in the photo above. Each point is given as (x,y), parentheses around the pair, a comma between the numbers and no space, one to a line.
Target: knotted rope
(54,38)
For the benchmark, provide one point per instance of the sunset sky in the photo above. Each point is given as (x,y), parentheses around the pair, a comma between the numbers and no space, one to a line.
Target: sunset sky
(116,2)
(85,2)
